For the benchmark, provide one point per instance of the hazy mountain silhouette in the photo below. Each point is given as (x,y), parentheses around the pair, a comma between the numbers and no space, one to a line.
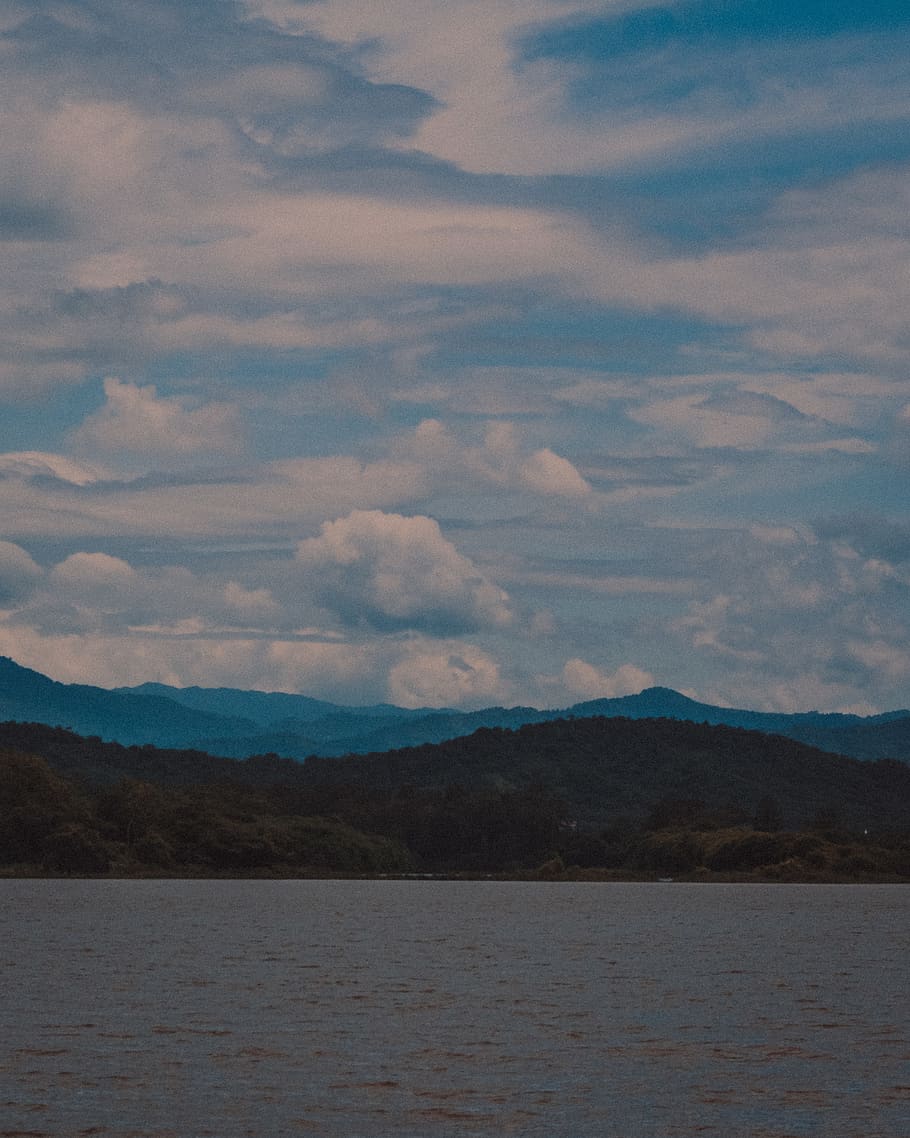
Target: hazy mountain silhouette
(28,696)
(237,723)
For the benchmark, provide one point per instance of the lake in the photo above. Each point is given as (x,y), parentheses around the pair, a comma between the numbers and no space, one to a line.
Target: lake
(358,1009)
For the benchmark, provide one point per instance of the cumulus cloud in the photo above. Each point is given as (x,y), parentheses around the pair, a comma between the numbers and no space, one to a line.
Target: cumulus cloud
(550,473)
(136,421)
(19,574)
(414,672)
(98,572)
(440,675)
(395,572)
(805,613)
(95,592)
(501,460)
(250,603)
(585,681)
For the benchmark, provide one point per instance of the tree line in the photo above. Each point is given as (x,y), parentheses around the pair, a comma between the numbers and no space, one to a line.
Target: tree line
(52,824)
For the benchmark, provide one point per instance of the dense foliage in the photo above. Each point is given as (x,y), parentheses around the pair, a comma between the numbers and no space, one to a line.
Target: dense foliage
(605,769)
(52,824)
(578,797)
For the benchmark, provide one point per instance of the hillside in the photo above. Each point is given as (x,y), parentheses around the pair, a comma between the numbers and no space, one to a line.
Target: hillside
(601,769)
(606,769)
(602,796)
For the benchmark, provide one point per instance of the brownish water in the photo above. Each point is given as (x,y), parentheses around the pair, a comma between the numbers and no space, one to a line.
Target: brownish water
(364,1009)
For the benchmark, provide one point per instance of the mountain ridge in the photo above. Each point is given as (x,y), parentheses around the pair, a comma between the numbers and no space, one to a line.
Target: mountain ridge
(238,722)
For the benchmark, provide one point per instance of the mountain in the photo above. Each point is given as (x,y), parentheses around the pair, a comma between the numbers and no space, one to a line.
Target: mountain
(263,708)
(28,696)
(862,737)
(664,703)
(236,723)
(299,726)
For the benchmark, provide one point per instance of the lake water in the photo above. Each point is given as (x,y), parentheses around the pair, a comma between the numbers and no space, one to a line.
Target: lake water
(360,1009)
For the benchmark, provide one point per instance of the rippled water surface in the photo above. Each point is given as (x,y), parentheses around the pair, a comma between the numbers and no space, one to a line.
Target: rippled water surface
(371,1008)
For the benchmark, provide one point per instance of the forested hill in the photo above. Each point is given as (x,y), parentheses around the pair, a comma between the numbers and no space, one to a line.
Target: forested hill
(97,763)
(602,769)
(605,769)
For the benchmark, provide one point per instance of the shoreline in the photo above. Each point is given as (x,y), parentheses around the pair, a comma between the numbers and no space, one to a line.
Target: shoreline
(587,876)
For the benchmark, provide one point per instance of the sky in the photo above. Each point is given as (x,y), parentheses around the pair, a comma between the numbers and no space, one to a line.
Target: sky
(458,352)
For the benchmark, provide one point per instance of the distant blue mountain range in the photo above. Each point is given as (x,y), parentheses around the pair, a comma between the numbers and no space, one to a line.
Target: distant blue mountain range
(238,723)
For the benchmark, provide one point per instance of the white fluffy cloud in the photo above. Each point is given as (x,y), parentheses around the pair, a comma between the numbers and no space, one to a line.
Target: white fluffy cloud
(446,674)
(137,421)
(396,572)
(807,621)
(412,673)
(95,593)
(501,460)
(18,573)
(584,681)
(95,571)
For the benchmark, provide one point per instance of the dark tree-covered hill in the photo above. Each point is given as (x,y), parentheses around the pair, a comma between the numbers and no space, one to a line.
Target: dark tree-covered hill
(600,795)
(606,769)
(602,769)
(97,763)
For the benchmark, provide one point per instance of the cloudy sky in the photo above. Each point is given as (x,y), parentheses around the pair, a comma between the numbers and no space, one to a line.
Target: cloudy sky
(458,351)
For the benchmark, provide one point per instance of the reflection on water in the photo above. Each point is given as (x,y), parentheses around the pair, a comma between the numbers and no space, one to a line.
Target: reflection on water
(371,1008)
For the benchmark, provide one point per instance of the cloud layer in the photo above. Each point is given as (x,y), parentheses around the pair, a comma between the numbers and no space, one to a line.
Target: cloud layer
(483,351)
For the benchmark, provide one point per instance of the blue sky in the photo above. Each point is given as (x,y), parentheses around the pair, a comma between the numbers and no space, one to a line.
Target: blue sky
(486,351)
